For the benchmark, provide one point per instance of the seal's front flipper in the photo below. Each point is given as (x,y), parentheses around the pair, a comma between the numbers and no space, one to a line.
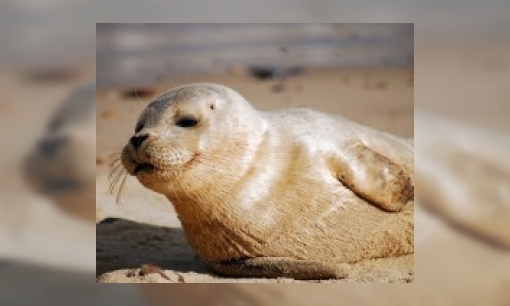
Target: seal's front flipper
(273,267)
(373,176)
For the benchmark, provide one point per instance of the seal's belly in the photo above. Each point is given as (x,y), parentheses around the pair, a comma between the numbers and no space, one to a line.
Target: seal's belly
(295,207)
(320,219)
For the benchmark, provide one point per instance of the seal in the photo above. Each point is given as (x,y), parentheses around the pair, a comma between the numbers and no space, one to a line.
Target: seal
(61,165)
(290,193)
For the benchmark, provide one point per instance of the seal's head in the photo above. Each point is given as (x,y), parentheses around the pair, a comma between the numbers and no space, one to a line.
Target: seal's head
(188,129)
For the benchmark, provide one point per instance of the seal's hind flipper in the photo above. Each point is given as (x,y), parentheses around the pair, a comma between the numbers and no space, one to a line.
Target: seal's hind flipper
(373,177)
(273,267)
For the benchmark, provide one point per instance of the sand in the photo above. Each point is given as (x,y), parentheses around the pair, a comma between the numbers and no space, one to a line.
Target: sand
(144,229)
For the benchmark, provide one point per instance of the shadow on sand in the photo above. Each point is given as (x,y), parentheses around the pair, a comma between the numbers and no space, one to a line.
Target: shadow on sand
(125,244)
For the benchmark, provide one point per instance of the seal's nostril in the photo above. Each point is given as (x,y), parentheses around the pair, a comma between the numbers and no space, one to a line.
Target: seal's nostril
(136,141)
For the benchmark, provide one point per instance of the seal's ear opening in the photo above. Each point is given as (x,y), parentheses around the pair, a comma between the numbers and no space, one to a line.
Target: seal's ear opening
(211,106)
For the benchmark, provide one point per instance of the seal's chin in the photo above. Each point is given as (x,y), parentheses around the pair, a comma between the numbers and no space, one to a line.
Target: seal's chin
(144,168)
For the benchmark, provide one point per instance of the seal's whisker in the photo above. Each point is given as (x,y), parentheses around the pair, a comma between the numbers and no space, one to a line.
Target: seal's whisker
(112,176)
(115,178)
(113,183)
(114,169)
(114,157)
(114,163)
(115,160)
(121,188)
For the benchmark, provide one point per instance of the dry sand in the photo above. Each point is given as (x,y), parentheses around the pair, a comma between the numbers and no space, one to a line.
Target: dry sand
(148,230)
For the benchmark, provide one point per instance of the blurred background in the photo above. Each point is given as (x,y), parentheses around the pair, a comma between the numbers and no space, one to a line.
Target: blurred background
(462,68)
(146,53)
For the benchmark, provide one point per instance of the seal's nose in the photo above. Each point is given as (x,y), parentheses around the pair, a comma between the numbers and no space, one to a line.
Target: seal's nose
(136,141)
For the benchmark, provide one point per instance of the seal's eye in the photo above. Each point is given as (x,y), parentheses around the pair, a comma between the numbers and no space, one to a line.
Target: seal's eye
(186,122)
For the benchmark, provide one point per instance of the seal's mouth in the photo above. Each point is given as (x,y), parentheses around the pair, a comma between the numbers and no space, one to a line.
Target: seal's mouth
(144,168)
